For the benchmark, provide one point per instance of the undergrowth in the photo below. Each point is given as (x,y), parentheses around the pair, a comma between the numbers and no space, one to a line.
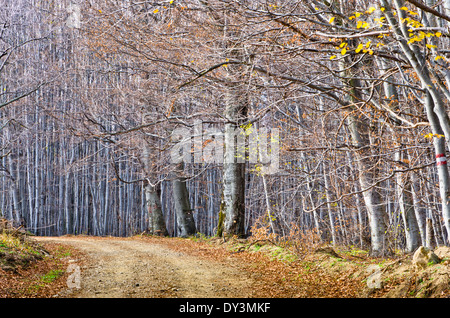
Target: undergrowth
(18,251)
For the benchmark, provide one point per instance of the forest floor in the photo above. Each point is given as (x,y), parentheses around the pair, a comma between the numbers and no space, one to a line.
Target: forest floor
(144,266)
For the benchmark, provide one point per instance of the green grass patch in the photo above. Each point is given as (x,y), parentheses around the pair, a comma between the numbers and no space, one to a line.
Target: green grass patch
(44,280)
(17,250)
(52,276)
(16,244)
(62,251)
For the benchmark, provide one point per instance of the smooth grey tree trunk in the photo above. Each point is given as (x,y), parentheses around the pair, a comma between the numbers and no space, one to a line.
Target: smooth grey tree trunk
(331,211)
(429,234)
(308,182)
(17,210)
(184,213)
(156,221)
(270,215)
(234,165)
(403,185)
(442,168)
(366,161)
(372,198)
(406,205)
(418,205)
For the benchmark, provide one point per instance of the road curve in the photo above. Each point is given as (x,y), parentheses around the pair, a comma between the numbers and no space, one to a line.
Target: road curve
(127,268)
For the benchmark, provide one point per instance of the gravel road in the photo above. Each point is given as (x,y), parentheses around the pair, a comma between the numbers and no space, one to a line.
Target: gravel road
(127,268)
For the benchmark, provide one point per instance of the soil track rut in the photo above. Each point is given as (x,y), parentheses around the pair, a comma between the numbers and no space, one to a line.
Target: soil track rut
(117,267)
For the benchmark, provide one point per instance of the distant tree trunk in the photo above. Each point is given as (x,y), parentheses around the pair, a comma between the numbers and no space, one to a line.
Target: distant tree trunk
(407,209)
(329,206)
(17,210)
(312,201)
(360,220)
(308,182)
(418,206)
(76,203)
(184,213)
(221,218)
(105,201)
(270,214)
(429,234)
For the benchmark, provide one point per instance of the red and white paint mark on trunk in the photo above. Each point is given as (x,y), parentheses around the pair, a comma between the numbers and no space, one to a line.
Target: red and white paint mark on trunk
(441,160)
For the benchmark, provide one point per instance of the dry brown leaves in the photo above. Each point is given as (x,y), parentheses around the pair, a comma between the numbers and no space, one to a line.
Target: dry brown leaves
(274,278)
(30,282)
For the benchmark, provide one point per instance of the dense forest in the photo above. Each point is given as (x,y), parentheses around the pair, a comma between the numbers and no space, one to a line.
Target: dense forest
(320,119)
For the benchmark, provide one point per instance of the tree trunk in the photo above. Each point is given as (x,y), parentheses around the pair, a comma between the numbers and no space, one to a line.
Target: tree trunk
(429,234)
(234,165)
(17,210)
(371,196)
(439,148)
(331,211)
(366,162)
(156,221)
(184,213)
(418,206)
(406,205)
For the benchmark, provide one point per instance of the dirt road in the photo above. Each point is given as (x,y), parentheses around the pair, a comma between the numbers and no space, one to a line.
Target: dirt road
(129,268)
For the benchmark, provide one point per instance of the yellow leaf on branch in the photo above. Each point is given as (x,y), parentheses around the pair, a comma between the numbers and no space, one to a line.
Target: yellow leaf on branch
(359,48)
